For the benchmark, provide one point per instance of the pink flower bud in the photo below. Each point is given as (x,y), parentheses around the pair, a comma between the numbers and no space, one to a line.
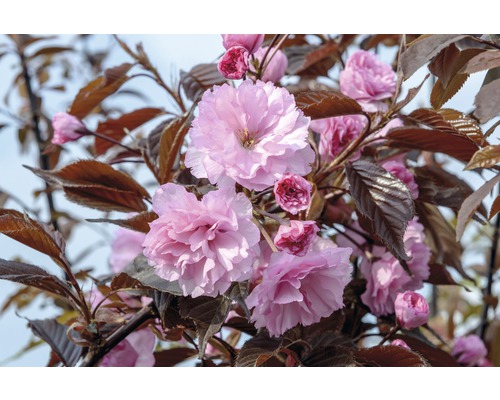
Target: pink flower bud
(296,238)
(400,343)
(276,66)
(67,128)
(249,42)
(234,63)
(411,310)
(470,350)
(293,193)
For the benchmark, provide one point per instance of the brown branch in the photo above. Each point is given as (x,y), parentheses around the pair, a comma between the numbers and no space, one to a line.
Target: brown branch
(94,356)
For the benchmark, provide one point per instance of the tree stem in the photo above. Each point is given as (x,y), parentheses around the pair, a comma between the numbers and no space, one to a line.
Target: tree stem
(491,270)
(93,357)
(35,122)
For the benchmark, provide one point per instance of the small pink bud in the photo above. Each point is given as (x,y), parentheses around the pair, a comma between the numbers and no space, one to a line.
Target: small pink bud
(296,238)
(67,128)
(400,343)
(249,42)
(293,193)
(234,63)
(275,66)
(411,310)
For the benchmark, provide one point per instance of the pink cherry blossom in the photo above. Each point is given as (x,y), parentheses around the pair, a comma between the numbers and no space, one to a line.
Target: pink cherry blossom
(385,277)
(368,80)
(300,290)
(336,133)
(292,193)
(296,238)
(136,350)
(67,128)
(126,246)
(470,350)
(250,42)
(400,343)
(205,245)
(234,63)
(411,310)
(399,170)
(248,134)
(275,66)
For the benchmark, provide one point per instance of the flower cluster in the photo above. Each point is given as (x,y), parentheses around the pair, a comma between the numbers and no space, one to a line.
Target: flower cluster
(244,53)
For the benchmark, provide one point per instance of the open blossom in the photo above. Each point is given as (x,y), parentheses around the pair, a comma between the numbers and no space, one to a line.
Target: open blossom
(411,310)
(276,66)
(296,238)
(248,134)
(292,193)
(250,42)
(367,80)
(234,63)
(136,350)
(385,277)
(67,128)
(400,343)
(336,133)
(300,290)
(470,350)
(126,246)
(399,170)
(205,245)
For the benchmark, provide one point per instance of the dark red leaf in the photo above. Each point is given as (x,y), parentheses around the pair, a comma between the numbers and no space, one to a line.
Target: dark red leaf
(96,91)
(326,103)
(486,157)
(257,350)
(54,334)
(200,78)
(486,101)
(172,357)
(139,222)
(117,128)
(433,140)
(389,356)
(423,49)
(384,200)
(472,203)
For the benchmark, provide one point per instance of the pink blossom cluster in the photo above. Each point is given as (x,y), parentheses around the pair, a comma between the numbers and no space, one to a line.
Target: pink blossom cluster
(244,53)
(300,290)
(248,135)
(368,80)
(385,277)
(470,351)
(204,245)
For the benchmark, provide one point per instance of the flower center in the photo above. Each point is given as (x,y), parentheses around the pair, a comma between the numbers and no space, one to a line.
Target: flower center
(247,139)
